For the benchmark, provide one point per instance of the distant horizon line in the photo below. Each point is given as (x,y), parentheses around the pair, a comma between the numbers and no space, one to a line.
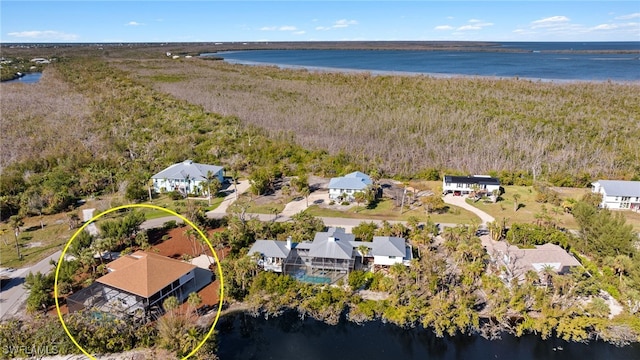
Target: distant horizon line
(313,41)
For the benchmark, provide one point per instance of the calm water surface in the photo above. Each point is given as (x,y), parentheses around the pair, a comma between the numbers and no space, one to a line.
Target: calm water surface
(28,78)
(531,60)
(289,338)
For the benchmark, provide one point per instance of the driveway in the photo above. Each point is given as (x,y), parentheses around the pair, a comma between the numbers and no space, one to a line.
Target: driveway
(460,201)
(297,206)
(221,210)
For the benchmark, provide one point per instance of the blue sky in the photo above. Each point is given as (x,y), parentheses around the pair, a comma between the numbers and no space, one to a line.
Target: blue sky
(224,21)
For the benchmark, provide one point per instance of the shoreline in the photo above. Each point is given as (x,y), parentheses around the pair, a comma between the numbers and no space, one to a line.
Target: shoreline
(334,70)
(490,332)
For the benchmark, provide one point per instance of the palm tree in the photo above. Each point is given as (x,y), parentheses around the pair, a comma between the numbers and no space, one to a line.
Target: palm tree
(15,222)
(194,300)
(363,250)
(73,220)
(359,197)
(212,179)
(170,304)
(149,187)
(516,197)
(306,192)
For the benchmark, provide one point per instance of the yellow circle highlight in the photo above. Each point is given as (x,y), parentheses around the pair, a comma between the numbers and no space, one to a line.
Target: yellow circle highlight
(186,221)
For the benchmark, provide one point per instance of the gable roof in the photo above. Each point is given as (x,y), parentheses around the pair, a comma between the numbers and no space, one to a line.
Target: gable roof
(143,273)
(333,244)
(388,246)
(187,169)
(620,187)
(270,248)
(523,260)
(355,181)
(549,255)
(475,179)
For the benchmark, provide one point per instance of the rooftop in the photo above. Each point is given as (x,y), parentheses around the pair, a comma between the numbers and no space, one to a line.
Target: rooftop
(333,244)
(388,246)
(355,180)
(475,179)
(619,187)
(143,273)
(187,170)
(271,248)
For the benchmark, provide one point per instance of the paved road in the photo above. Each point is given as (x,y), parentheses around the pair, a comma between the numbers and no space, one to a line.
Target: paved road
(14,295)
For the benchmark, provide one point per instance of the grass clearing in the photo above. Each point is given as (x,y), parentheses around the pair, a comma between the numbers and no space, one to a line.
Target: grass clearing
(528,207)
(633,218)
(34,243)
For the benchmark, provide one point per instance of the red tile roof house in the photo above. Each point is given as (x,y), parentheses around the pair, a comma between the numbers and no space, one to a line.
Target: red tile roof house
(137,284)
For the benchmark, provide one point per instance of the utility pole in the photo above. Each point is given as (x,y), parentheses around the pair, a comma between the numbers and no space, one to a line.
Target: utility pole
(403,195)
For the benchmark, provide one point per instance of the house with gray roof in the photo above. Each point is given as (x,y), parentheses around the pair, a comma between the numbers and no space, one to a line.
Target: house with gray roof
(332,250)
(186,177)
(330,256)
(388,250)
(516,262)
(618,194)
(271,254)
(348,185)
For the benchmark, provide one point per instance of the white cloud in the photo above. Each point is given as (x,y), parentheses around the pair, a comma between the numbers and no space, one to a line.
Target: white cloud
(279,28)
(343,23)
(563,29)
(468,27)
(44,35)
(301,32)
(628,16)
(133,23)
(550,22)
(340,24)
(443,27)
(605,27)
(474,24)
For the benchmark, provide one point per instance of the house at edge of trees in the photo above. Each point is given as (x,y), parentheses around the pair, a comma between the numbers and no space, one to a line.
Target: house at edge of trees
(618,194)
(330,256)
(137,284)
(186,177)
(348,185)
(464,185)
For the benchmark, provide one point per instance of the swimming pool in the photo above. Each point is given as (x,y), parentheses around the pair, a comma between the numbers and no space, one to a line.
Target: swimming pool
(302,276)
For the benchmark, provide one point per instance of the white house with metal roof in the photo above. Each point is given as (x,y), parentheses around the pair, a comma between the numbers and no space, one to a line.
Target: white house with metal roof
(387,251)
(348,185)
(186,177)
(618,194)
(462,185)
(332,254)
(271,253)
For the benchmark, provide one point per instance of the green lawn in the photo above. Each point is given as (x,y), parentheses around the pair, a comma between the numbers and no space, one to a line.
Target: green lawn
(385,210)
(261,204)
(528,207)
(52,238)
